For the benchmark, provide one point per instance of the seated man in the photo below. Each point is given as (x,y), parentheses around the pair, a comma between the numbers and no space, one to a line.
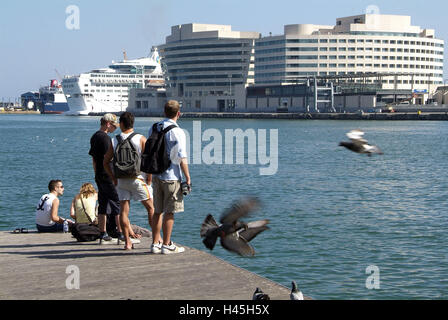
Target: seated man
(47,219)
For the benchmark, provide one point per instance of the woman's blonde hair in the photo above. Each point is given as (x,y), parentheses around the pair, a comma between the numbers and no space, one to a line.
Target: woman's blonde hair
(87,189)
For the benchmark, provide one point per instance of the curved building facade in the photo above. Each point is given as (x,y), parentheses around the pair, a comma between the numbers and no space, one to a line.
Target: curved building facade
(363,44)
(208,66)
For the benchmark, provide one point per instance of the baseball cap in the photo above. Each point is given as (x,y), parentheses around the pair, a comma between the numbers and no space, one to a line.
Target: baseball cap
(110,117)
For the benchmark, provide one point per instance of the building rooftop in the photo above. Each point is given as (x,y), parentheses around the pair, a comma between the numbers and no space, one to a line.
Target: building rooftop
(196,31)
(362,24)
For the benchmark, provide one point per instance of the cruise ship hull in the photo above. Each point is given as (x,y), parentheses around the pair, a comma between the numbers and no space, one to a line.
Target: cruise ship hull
(83,107)
(55,108)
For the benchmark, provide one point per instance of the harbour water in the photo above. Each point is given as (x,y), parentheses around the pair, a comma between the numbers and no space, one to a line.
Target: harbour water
(333,213)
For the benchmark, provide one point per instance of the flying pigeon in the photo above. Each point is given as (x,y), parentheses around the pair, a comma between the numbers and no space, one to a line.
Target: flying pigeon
(358,144)
(235,234)
(260,295)
(295,293)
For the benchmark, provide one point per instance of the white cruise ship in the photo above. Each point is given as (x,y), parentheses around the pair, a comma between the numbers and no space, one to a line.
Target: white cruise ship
(107,89)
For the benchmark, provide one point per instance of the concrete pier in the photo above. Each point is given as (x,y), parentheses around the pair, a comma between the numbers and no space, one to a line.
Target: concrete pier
(413,115)
(40,266)
(2,111)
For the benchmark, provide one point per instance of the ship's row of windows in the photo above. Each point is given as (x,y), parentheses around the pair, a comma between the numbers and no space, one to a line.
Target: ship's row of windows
(262,43)
(127,76)
(350,49)
(131,68)
(117,91)
(108,85)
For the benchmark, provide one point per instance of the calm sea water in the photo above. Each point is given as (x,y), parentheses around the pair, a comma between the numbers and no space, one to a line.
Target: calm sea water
(333,213)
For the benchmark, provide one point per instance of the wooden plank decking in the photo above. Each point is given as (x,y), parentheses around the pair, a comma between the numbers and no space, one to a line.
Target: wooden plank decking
(33,266)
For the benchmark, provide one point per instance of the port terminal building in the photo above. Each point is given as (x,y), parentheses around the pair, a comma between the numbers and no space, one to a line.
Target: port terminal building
(363,61)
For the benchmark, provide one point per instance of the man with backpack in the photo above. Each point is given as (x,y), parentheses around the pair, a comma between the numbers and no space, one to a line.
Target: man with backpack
(167,176)
(126,150)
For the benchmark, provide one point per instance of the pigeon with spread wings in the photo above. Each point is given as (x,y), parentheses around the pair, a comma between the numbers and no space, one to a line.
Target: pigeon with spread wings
(234,234)
(358,144)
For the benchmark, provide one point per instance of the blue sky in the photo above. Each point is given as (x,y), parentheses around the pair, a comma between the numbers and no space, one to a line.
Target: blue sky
(34,40)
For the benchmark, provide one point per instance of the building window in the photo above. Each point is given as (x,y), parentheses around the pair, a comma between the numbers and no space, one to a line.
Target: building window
(138,104)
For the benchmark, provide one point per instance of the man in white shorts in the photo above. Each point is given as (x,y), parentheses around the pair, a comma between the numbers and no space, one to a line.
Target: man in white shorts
(133,188)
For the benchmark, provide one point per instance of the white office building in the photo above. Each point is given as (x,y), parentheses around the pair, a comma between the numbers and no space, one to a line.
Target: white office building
(368,43)
(207,67)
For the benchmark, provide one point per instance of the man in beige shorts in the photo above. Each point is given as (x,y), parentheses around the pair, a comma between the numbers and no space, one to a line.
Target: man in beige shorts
(168,197)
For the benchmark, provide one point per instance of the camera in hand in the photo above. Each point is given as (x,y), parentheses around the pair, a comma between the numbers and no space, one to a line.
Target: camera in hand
(186,188)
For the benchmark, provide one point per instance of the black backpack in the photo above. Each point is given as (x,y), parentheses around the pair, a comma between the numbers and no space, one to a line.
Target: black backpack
(84,232)
(126,158)
(155,158)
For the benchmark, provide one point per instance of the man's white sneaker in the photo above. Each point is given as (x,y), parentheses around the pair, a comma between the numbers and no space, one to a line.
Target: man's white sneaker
(172,248)
(156,248)
(112,241)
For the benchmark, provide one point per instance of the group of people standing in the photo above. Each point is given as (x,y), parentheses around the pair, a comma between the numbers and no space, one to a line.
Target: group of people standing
(160,194)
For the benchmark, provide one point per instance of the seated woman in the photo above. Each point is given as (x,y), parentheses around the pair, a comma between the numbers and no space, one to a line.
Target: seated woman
(47,219)
(84,205)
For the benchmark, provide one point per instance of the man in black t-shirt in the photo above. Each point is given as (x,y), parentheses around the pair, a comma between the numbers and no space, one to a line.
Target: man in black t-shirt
(107,194)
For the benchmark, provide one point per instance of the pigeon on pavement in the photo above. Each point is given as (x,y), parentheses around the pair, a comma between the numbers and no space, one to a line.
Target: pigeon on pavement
(260,295)
(295,293)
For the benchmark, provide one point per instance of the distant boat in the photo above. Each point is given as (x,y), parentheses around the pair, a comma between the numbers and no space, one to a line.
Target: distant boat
(49,99)
(53,99)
